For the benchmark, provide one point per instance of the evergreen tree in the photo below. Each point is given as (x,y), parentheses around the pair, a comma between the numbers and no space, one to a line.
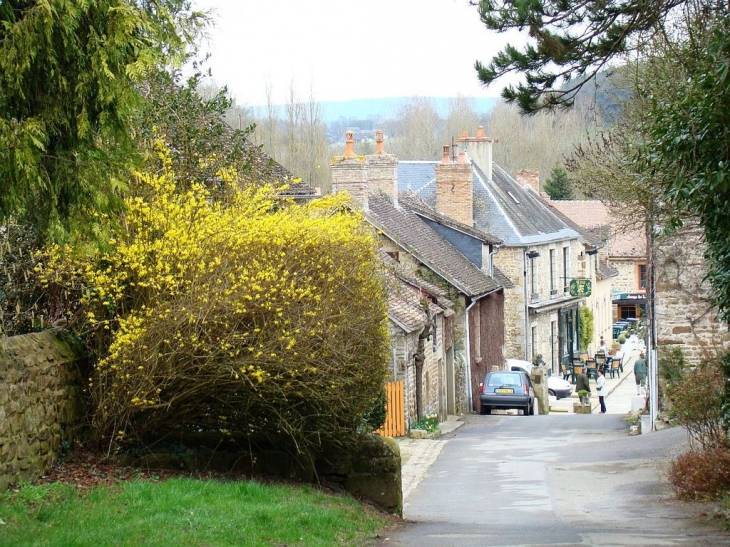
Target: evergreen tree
(559,186)
(68,73)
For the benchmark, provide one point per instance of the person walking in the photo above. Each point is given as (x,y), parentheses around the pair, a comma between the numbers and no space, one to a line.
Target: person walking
(640,373)
(582,384)
(601,389)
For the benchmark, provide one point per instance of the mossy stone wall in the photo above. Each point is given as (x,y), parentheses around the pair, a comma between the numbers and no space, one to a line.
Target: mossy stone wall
(40,404)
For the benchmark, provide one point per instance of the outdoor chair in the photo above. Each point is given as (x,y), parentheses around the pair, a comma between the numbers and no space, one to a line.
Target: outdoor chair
(615,368)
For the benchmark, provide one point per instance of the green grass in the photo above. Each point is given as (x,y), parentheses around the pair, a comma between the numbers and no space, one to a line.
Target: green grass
(184,513)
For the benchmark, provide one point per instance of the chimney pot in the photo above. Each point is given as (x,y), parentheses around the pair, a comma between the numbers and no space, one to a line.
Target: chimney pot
(462,157)
(480,131)
(464,134)
(446,158)
(349,146)
(379,148)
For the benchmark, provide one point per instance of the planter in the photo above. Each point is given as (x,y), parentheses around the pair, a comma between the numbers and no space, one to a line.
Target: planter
(581,408)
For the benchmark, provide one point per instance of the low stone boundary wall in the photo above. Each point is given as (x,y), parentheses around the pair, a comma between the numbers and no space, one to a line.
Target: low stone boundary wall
(41,409)
(40,404)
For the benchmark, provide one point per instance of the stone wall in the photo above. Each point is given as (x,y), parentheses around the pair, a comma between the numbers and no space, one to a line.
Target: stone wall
(40,404)
(685,315)
(627,279)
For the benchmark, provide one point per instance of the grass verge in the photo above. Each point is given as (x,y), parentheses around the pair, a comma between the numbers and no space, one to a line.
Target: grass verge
(184,512)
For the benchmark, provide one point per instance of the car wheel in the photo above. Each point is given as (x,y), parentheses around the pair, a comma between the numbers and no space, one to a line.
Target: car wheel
(532,408)
(552,393)
(483,409)
(526,410)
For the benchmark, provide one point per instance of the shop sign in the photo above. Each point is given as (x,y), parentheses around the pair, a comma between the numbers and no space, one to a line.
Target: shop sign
(580,287)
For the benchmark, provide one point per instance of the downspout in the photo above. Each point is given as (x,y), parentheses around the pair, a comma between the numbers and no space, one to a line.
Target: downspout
(468,357)
(527,310)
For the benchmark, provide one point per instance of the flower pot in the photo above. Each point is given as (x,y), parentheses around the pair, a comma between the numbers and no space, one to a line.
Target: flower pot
(580,408)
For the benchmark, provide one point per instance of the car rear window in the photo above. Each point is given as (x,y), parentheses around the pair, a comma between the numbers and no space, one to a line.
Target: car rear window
(504,380)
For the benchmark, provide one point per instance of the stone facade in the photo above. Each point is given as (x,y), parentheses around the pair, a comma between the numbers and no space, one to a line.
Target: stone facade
(40,404)
(433,395)
(685,315)
(539,291)
(627,279)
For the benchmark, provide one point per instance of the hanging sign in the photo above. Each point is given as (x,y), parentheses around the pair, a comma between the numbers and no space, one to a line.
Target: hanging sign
(580,287)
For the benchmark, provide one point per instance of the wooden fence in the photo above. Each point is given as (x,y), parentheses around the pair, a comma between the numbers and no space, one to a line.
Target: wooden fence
(395,419)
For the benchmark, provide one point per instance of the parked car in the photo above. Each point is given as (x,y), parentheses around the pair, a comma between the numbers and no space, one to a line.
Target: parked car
(557,387)
(507,389)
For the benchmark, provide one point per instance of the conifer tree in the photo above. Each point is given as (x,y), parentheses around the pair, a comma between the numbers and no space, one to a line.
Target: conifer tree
(559,186)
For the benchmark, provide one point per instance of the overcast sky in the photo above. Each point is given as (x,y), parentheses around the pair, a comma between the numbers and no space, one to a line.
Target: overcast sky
(347,49)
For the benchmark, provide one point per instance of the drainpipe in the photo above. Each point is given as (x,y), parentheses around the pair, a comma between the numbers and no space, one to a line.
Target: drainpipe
(468,357)
(527,311)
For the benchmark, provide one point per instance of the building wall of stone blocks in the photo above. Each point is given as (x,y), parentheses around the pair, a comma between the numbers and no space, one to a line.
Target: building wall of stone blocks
(627,279)
(349,173)
(685,316)
(510,261)
(382,173)
(40,404)
(433,396)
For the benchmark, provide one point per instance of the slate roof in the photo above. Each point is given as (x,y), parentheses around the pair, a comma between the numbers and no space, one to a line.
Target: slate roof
(595,216)
(412,202)
(411,233)
(502,207)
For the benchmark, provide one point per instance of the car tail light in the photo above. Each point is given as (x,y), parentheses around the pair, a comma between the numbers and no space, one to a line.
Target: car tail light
(482,387)
(526,389)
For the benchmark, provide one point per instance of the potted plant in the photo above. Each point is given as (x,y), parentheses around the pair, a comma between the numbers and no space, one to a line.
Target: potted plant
(615,346)
(584,406)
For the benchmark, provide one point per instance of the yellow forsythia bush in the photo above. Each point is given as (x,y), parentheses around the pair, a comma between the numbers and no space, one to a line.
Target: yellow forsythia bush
(256,316)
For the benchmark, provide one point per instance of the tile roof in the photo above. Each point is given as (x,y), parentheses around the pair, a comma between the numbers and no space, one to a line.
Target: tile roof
(594,215)
(404,297)
(411,233)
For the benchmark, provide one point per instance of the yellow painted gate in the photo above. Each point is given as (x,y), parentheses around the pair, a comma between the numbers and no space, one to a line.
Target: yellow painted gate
(395,415)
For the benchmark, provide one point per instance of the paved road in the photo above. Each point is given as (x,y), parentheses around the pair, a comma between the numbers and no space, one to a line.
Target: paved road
(560,479)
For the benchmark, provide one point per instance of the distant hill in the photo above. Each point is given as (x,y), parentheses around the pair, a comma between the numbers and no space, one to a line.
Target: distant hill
(384,109)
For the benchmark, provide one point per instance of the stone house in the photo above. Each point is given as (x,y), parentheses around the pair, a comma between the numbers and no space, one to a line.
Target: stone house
(540,252)
(409,324)
(471,340)
(594,265)
(625,250)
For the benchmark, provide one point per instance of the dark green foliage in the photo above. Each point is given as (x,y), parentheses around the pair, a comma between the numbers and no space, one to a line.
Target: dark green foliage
(586,327)
(374,418)
(725,412)
(688,137)
(67,95)
(193,128)
(572,41)
(672,365)
(559,186)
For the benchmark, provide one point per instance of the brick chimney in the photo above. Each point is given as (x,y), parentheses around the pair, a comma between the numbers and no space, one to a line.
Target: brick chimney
(529,178)
(479,149)
(382,170)
(350,173)
(454,197)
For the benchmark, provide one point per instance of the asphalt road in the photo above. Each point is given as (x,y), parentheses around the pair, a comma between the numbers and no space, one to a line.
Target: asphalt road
(510,480)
